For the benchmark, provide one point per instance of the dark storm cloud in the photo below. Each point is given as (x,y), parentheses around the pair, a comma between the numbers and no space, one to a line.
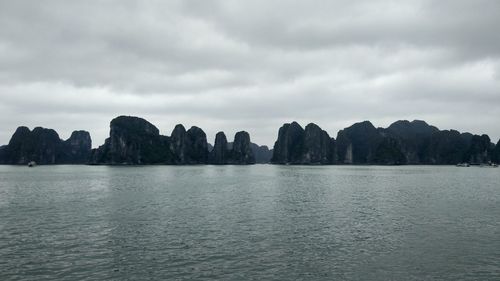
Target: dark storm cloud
(231,65)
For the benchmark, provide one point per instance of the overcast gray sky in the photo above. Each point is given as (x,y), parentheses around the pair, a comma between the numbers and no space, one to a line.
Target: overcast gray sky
(249,65)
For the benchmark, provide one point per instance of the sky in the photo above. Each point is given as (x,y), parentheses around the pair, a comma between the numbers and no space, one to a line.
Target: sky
(249,65)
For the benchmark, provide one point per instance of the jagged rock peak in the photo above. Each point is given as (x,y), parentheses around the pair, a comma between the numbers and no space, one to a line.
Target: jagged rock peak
(242,152)
(318,147)
(134,125)
(288,146)
(133,141)
(219,154)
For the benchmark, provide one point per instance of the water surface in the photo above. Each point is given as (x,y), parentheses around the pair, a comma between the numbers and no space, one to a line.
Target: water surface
(259,222)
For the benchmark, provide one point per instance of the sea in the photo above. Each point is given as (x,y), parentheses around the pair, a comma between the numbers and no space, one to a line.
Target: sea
(258,222)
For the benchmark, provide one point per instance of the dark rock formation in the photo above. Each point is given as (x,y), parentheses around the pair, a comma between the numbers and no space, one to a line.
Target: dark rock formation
(298,146)
(238,152)
(403,142)
(262,153)
(198,152)
(480,150)
(288,147)
(179,144)
(358,144)
(45,147)
(318,147)
(3,154)
(189,147)
(220,153)
(133,140)
(242,153)
(410,138)
(444,147)
(496,153)
(76,149)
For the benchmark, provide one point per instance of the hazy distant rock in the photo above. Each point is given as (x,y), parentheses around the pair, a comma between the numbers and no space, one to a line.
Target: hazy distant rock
(241,152)
(262,153)
(135,141)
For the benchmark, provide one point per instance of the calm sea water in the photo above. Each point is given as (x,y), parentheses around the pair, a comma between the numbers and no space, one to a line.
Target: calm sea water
(257,222)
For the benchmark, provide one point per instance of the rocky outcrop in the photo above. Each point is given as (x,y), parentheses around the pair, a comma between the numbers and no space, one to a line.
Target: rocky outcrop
(241,153)
(480,150)
(45,147)
(298,146)
(220,153)
(496,153)
(238,152)
(76,149)
(133,141)
(288,147)
(262,153)
(444,147)
(358,144)
(3,154)
(189,147)
(318,147)
(403,142)
(410,139)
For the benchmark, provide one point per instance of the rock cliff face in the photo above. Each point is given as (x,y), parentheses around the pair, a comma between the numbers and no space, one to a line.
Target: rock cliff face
(133,141)
(414,142)
(288,147)
(403,142)
(76,149)
(220,152)
(298,146)
(242,152)
(480,150)
(496,153)
(238,152)
(411,138)
(358,144)
(45,147)
(318,147)
(189,147)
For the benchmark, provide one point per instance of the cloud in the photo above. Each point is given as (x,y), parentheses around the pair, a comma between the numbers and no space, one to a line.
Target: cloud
(231,66)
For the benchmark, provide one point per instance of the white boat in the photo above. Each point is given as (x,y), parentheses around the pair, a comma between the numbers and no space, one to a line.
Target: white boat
(32,164)
(463,165)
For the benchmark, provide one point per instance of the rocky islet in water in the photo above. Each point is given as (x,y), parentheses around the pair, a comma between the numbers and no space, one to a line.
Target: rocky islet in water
(135,141)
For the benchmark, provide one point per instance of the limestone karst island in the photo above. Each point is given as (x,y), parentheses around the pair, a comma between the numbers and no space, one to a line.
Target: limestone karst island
(135,141)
